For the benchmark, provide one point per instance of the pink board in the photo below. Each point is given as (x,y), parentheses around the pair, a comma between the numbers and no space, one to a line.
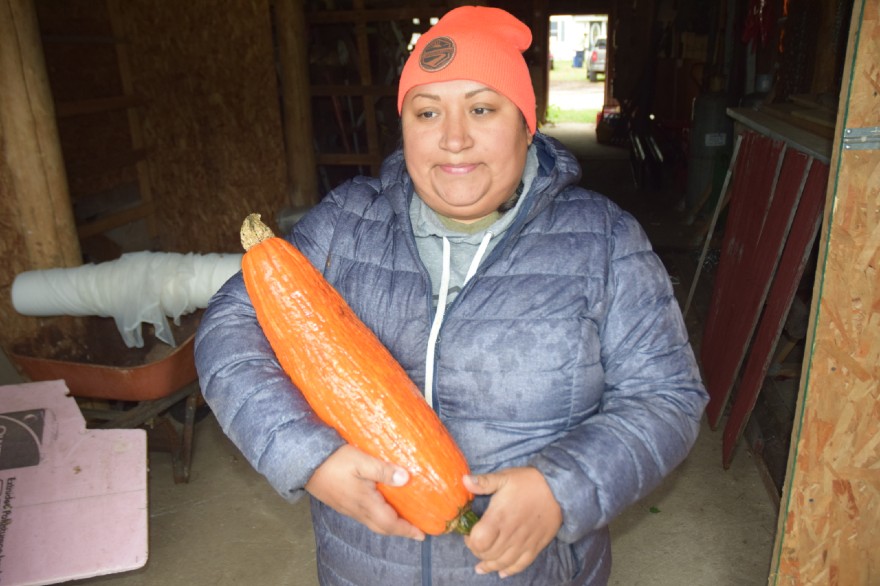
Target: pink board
(73,501)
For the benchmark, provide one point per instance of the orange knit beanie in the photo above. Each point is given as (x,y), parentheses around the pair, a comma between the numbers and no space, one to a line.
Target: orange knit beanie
(475,43)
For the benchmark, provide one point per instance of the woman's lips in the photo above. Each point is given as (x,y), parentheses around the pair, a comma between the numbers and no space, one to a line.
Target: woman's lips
(457,169)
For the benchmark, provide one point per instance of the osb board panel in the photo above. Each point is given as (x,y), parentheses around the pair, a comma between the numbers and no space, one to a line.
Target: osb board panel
(14,253)
(211,122)
(828,524)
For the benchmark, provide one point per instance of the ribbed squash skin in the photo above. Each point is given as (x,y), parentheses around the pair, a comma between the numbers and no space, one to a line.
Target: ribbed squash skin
(353,384)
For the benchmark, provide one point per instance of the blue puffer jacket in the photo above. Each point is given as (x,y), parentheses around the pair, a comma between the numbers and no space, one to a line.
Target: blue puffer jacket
(566,351)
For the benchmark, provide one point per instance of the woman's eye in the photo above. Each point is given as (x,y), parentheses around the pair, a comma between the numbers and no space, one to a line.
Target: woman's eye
(482,110)
(427,115)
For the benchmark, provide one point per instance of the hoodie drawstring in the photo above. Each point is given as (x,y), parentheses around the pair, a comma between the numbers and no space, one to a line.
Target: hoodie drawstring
(478,257)
(441,307)
(435,326)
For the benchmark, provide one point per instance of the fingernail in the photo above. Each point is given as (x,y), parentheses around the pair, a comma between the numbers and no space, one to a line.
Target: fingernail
(399,477)
(479,570)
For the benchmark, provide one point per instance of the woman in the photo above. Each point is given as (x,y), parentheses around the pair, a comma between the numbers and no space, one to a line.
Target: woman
(532,312)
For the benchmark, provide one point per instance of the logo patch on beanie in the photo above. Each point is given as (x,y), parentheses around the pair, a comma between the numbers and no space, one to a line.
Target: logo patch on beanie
(437,54)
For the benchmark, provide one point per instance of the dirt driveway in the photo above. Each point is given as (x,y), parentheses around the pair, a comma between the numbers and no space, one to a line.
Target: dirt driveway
(577,95)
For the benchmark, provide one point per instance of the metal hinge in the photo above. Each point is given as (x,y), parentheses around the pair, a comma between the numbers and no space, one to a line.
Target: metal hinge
(861,139)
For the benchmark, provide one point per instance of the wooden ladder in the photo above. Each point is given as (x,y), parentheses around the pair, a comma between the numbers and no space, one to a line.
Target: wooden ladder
(99,124)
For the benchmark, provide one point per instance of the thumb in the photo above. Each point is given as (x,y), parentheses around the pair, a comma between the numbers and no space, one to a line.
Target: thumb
(385,473)
(482,483)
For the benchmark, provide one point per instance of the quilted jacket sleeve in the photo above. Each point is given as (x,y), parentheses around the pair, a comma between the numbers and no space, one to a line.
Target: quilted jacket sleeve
(254,401)
(651,409)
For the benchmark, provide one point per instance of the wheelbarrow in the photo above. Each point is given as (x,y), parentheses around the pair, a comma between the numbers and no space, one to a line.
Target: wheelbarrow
(141,386)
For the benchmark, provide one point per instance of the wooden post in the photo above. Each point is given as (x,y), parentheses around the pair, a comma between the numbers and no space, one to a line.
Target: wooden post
(831,501)
(290,21)
(31,145)
(540,70)
(369,101)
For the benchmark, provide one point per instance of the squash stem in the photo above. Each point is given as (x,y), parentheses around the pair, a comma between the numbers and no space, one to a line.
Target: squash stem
(465,521)
(253,231)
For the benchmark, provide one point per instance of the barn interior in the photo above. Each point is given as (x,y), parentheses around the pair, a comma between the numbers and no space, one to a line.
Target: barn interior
(731,129)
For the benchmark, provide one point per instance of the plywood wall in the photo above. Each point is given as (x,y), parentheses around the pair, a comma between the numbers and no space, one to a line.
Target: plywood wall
(831,502)
(212,119)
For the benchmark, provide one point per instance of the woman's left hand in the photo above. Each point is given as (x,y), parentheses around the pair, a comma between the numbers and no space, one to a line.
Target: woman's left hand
(522,518)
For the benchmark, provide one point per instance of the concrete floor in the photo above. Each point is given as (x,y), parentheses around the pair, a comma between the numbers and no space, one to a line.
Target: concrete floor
(703,526)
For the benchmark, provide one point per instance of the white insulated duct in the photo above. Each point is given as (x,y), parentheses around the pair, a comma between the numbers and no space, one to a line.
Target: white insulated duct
(139,287)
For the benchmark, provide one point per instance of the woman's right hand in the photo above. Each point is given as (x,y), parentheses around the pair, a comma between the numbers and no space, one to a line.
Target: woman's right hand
(346,482)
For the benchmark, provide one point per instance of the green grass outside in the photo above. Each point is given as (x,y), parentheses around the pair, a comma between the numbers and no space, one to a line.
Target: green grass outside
(563,71)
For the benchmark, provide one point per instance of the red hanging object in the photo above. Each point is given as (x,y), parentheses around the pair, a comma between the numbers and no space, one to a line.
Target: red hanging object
(759,22)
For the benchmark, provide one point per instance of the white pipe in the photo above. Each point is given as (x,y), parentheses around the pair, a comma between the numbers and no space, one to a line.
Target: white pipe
(139,287)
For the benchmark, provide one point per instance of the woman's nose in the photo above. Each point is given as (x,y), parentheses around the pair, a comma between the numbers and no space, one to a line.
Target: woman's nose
(456,134)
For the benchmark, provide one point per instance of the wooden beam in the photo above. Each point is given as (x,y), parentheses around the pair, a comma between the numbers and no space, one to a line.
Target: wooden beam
(540,71)
(81,39)
(116,219)
(31,144)
(354,90)
(114,162)
(794,136)
(298,128)
(363,45)
(349,16)
(827,530)
(96,106)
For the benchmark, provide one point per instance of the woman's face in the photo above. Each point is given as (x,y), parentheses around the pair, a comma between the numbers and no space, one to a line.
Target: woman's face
(465,147)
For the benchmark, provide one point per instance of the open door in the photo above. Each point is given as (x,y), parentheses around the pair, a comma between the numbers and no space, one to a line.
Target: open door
(830,507)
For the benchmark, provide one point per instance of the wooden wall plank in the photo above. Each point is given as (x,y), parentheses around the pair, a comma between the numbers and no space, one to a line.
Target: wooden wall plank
(761,244)
(831,500)
(753,182)
(794,258)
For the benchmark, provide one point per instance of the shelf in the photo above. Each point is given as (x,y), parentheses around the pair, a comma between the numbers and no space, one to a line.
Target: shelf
(96,106)
(106,164)
(115,220)
(82,40)
(794,136)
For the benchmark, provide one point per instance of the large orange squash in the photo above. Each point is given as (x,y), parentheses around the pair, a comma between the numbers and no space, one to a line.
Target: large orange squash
(353,383)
